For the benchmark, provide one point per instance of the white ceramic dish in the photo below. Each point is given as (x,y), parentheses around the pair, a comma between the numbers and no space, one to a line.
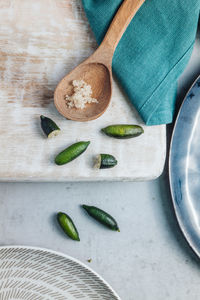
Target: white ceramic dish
(37,274)
(184,167)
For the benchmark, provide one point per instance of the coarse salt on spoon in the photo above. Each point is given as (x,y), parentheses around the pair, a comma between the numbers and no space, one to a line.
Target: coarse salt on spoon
(96,71)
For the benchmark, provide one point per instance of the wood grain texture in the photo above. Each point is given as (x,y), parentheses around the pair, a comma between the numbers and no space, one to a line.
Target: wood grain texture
(40,42)
(97,69)
(99,77)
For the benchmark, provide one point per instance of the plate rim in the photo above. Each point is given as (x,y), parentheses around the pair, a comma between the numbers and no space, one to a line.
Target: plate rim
(46,250)
(180,223)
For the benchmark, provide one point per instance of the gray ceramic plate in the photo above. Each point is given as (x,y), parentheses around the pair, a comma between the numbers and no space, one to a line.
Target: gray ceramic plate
(184,167)
(37,274)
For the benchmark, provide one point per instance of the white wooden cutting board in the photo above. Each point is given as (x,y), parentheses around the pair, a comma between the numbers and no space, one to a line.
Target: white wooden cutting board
(41,41)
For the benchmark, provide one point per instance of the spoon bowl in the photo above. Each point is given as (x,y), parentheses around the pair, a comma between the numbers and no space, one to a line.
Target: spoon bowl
(99,77)
(97,69)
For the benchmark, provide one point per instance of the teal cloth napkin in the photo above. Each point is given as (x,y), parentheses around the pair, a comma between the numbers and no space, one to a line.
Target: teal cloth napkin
(153,52)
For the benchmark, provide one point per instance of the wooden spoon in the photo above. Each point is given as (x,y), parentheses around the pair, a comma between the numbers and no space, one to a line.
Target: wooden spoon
(97,69)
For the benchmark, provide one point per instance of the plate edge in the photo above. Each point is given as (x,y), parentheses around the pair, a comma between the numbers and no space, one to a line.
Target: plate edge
(181,226)
(65,256)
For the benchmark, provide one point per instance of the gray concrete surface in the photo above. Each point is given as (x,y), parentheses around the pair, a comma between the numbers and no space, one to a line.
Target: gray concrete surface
(148,260)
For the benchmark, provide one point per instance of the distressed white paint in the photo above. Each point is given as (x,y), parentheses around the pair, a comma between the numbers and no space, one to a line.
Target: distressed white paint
(41,41)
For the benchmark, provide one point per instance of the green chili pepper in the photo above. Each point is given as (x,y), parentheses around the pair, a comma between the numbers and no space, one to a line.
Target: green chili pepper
(68,226)
(102,217)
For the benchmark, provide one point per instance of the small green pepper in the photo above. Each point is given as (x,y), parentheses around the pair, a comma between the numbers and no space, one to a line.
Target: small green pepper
(102,217)
(68,226)
(123,131)
(71,153)
(105,161)
(49,127)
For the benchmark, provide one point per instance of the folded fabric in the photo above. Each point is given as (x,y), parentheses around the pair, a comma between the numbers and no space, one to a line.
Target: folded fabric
(153,52)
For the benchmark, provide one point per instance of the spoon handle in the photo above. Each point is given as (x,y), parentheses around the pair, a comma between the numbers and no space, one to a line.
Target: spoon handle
(120,22)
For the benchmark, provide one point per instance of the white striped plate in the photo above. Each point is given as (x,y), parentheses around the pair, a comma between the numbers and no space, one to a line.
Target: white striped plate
(37,274)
